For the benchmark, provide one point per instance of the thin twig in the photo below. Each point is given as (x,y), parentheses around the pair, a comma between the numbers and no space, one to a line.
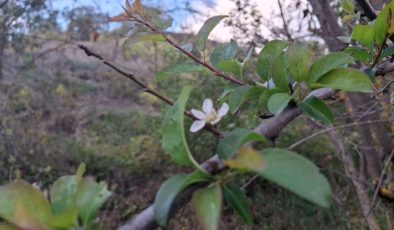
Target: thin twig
(384,88)
(145,87)
(375,195)
(215,71)
(333,128)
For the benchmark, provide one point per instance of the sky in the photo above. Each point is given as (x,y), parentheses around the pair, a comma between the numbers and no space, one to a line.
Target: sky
(217,7)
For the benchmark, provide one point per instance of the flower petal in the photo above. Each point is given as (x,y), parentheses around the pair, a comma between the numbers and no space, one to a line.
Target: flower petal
(197,113)
(223,110)
(196,126)
(207,106)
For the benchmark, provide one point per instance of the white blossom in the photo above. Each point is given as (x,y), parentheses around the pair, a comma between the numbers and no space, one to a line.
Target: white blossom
(207,115)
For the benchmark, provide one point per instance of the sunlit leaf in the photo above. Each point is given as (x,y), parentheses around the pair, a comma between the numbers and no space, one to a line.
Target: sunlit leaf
(138,8)
(247,159)
(278,102)
(298,58)
(119,18)
(350,80)
(177,69)
(381,25)
(170,189)
(206,29)
(267,55)
(316,108)
(233,141)
(236,198)
(327,63)
(24,206)
(348,6)
(207,203)
(297,174)
(364,34)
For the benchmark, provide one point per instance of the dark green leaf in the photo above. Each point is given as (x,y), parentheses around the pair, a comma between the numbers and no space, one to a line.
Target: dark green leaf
(231,143)
(170,189)
(358,53)
(224,52)
(174,140)
(267,55)
(177,69)
(206,29)
(230,66)
(298,58)
(350,80)
(316,108)
(207,203)
(241,94)
(364,34)
(297,174)
(327,63)
(278,102)
(278,72)
(236,198)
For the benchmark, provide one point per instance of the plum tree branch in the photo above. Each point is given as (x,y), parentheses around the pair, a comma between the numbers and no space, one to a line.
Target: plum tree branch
(144,87)
(215,71)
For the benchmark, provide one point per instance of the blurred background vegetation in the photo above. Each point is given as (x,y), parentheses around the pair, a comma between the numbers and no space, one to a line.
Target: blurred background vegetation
(59,108)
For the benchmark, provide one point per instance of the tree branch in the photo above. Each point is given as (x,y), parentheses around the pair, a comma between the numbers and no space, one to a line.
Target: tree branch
(144,87)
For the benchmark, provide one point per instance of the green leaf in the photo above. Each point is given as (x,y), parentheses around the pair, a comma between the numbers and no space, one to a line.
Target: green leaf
(143,37)
(207,203)
(278,72)
(206,29)
(170,189)
(158,18)
(348,6)
(230,66)
(178,69)
(267,55)
(327,63)
(236,198)
(297,174)
(224,52)
(364,34)
(316,108)
(174,140)
(278,102)
(381,26)
(233,141)
(24,205)
(358,53)
(348,79)
(241,94)
(298,57)
(89,199)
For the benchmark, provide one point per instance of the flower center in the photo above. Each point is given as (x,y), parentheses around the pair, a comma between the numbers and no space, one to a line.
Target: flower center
(211,116)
